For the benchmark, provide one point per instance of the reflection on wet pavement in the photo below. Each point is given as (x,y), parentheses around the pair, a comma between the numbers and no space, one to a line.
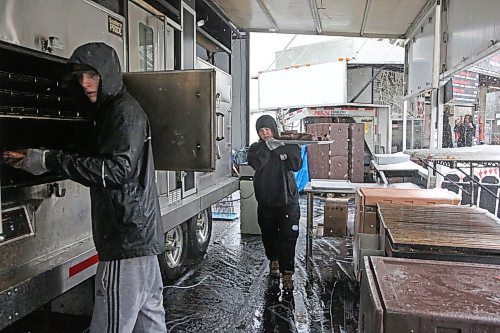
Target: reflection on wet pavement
(236,294)
(233,293)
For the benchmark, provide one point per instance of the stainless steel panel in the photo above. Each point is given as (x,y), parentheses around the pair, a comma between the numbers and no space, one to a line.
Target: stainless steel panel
(58,222)
(223,145)
(437,296)
(380,16)
(241,92)
(253,15)
(32,285)
(141,20)
(189,181)
(419,59)
(162,182)
(339,17)
(138,19)
(182,210)
(223,80)
(471,28)
(364,245)
(248,209)
(29,23)
(188,38)
(181,109)
(169,48)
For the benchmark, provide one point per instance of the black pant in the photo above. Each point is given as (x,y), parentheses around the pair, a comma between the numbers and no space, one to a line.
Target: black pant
(280,230)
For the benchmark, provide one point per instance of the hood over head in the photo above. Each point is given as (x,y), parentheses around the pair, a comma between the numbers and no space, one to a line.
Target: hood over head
(103,59)
(269,122)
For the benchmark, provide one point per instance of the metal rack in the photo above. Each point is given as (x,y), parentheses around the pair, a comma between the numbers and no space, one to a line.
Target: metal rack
(36,97)
(224,209)
(464,159)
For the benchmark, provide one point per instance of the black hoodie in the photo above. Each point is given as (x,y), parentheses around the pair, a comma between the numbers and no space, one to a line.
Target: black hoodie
(126,219)
(274,181)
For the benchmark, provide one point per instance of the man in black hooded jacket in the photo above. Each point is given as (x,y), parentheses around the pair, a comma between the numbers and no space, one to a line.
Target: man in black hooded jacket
(277,197)
(126,221)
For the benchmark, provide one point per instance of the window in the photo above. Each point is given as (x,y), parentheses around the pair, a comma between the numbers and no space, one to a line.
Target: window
(146,48)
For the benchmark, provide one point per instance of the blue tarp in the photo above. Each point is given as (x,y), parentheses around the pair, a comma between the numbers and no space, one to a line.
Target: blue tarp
(302,176)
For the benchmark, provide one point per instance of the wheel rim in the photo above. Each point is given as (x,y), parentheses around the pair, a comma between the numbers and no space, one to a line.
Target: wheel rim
(174,242)
(202,227)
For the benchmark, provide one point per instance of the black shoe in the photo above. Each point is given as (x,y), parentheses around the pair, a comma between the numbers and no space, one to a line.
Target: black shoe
(274,269)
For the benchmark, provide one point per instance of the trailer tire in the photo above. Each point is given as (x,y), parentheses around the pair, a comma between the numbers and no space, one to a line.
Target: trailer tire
(173,261)
(200,231)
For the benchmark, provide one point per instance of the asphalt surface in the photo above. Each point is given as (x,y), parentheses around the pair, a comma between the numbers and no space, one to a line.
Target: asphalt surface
(230,291)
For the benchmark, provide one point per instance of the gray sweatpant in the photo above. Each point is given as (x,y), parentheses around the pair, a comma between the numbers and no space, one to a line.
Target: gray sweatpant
(128,297)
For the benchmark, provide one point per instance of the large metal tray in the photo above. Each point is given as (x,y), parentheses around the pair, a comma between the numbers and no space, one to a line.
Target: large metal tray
(443,232)
(408,295)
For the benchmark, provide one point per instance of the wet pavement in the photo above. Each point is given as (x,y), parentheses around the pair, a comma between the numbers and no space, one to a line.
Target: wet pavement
(230,291)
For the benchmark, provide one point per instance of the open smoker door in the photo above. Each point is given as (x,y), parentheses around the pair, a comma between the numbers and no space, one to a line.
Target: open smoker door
(181,109)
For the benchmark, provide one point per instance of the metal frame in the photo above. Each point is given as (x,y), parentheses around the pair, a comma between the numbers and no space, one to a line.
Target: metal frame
(310,191)
(455,162)
(191,11)
(268,14)
(317,19)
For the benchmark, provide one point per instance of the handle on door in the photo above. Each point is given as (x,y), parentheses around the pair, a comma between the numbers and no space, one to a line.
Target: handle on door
(220,126)
(217,100)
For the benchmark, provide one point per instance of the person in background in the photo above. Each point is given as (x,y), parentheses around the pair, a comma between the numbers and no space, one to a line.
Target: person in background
(277,197)
(456,130)
(447,137)
(126,221)
(466,131)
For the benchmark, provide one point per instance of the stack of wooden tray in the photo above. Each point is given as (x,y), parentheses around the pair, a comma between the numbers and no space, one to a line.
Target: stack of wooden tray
(442,232)
(367,231)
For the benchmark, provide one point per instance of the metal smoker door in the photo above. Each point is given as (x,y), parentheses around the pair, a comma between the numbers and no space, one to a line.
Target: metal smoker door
(181,109)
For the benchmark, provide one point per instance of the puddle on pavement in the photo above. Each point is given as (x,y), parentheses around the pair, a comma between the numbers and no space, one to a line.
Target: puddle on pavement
(233,292)
(236,294)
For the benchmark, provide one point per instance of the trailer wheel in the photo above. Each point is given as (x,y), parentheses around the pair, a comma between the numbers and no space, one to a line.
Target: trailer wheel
(172,262)
(200,231)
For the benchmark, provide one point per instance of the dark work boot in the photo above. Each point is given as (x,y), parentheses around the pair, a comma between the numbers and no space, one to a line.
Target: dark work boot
(287,281)
(274,269)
